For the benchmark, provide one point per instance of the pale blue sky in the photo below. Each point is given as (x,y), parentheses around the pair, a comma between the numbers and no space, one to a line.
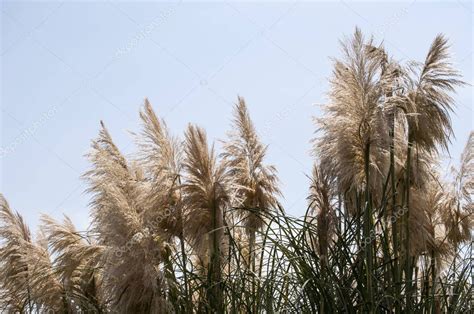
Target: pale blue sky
(67,65)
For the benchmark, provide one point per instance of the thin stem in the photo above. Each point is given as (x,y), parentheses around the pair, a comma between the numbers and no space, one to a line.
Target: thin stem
(408,270)
(396,272)
(368,230)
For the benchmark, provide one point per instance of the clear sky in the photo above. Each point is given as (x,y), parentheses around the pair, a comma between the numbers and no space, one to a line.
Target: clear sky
(67,65)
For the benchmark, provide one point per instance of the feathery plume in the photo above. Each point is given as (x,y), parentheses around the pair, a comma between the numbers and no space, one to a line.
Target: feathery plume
(353,119)
(253,182)
(76,261)
(459,212)
(321,210)
(161,157)
(132,275)
(29,282)
(205,187)
(206,197)
(428,97)
(14,273)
